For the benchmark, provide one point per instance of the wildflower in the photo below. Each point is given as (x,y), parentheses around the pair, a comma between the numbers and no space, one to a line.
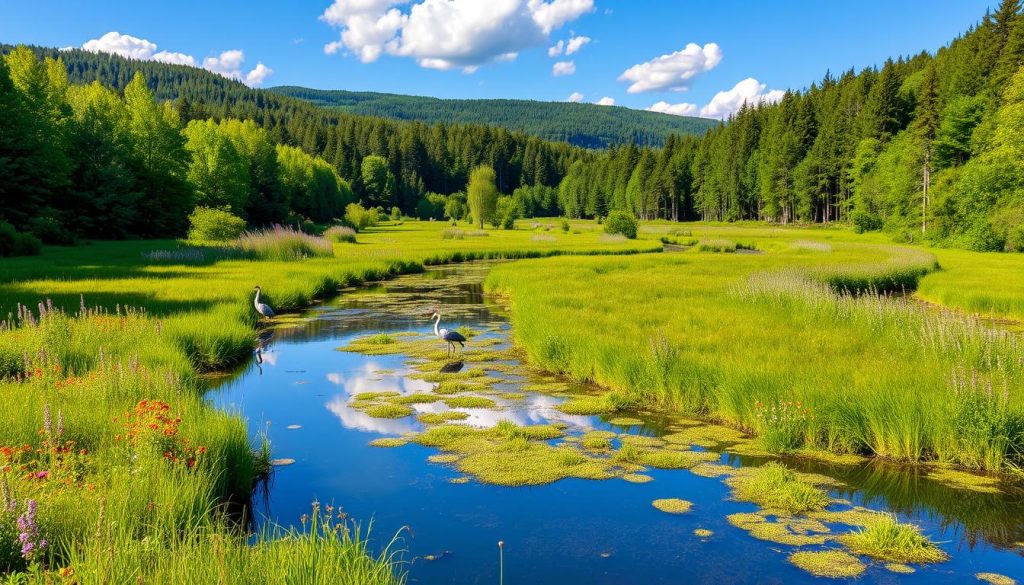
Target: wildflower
(47,422)
(32,544)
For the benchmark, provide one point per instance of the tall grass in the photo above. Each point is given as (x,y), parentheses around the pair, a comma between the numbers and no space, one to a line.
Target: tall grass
(282,244)
(723,336)
(89,335)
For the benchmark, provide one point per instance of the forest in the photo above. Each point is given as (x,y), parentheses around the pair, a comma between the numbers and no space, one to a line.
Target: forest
(927,147)
(579,124)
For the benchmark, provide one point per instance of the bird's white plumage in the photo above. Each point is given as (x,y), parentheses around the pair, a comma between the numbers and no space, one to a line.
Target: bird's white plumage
(262,308)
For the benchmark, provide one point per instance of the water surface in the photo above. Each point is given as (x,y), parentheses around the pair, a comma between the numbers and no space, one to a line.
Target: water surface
(572,531)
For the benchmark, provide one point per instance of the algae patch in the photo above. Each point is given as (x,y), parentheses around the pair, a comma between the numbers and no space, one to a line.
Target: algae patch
(672,505)
(833,564)
(388,442)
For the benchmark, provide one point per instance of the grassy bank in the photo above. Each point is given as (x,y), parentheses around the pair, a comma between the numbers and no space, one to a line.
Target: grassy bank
(769,343)
(130,475)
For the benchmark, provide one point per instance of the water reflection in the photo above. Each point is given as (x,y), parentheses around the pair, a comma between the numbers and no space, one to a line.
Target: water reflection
(555,533)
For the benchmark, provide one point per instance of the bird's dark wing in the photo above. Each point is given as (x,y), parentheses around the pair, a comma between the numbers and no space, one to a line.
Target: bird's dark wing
(267,311)
(454,336)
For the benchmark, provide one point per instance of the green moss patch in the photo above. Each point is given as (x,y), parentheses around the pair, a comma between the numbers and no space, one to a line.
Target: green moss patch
(388,411)
(830,563)
(443,458)
(703,533)
(712,470)
(965,481)
(995,579)
(777,487)
(470,402)
(637,478)
(418,398)
(625,421)
(788,530)
(587,405)
(597,440)
(899,568)
(672,505)
(436,418)
(388,442)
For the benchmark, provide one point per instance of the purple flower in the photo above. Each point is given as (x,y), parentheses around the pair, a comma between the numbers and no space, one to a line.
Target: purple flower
(47,422)
(32,544)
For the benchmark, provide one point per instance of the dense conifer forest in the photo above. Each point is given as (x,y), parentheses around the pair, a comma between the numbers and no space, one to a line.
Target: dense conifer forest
(924,147)
(579,124)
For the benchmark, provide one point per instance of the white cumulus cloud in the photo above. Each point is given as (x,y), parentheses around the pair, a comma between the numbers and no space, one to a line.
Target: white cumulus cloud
(575,44)
(606,101)
(681,109)
(563,68)
(123,45)
(575,97)
(673,71)
(175,58)
(556,49)
(448,34)
(749,91)
(228,63)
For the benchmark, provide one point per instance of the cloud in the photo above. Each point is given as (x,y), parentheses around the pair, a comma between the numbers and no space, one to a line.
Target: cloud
(674,71)
(606,101)
(175,58)
(563,68)
(575,44)
(448,34)
(682,109)
(553,14)
(575,97)
(557,49)
(749,91)
(123,45)
(255,77)
(228,63)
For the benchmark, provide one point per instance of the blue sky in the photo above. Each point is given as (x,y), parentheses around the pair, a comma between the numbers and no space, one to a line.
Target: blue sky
(700,58)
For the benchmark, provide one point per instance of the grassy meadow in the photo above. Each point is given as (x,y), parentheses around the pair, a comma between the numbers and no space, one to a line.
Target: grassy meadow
(132,476)
(810,340)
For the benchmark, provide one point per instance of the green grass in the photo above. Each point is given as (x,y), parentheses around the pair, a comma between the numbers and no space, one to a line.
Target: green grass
(773,486)
(886,539)
(159,314)
(728,336)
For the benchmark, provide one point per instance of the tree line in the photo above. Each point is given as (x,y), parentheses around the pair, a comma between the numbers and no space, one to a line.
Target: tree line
(925,147)
(85,160)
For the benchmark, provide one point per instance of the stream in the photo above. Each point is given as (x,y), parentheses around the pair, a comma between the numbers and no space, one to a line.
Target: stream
(299,388)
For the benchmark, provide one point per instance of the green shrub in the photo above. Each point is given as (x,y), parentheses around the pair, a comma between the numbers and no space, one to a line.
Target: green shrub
(14,243)
(396,214)
(864,221)
(209,224)
(361,218)
(341,234)
(51,231)
(565,225)
(621,222)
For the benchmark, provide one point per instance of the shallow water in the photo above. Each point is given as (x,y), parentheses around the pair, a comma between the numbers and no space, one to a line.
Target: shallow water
(572,531)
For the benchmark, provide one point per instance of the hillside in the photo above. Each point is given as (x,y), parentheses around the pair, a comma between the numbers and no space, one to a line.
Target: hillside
(586,125)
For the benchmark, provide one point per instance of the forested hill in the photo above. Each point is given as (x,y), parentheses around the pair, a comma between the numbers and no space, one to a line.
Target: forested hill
(586,125)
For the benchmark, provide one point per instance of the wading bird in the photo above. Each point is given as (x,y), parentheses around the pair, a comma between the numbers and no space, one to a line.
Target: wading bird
(262,308)
(450,337)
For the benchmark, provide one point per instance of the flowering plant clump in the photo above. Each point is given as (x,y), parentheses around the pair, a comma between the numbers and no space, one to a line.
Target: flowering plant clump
(33,545)
(56,461)
(151,427)
(782,425)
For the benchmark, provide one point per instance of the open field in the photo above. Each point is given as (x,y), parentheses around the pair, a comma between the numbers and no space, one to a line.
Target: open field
(762,342)
(107,431)
(109,434)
